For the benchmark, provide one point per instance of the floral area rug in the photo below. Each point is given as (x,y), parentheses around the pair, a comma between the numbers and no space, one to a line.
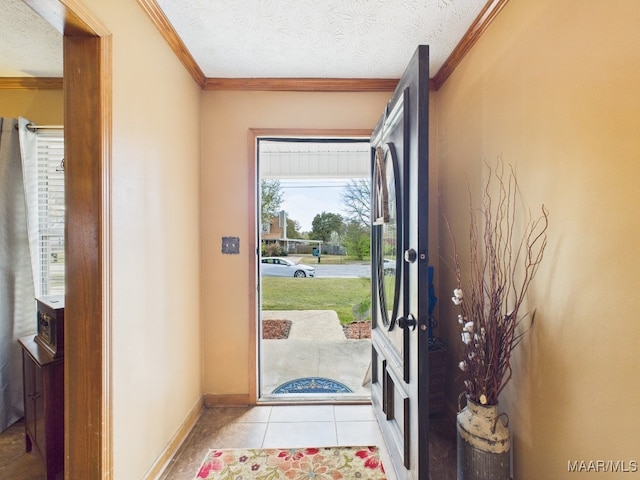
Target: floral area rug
(330,463)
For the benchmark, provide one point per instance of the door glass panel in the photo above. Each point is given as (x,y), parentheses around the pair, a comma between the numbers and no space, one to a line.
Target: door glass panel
(387,218)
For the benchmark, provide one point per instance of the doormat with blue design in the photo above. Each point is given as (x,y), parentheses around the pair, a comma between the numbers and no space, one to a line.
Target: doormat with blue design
(312,385)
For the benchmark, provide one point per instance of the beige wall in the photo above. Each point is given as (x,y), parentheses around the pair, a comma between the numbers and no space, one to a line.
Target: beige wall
(155,205)
(552,87)
(44,107)
(228,208)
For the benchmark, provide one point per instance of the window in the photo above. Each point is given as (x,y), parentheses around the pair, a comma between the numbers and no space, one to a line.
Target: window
(51,211)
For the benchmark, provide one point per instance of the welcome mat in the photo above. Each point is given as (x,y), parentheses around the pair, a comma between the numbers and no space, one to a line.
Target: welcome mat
(330,463)
(312,385)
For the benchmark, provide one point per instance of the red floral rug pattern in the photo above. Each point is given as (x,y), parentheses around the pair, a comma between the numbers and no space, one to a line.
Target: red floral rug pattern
(330,463)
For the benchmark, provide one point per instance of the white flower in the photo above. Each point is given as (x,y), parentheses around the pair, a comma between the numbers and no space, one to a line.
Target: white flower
(466,338)
(463,366)
(468,327)
(460,319)
(457,296)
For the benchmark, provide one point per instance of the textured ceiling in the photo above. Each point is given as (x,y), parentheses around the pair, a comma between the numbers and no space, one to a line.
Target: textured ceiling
(271,38)
(29,46)
(317,38)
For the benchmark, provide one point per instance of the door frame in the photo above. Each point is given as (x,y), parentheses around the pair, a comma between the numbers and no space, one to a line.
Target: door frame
(87,91)
(254,246)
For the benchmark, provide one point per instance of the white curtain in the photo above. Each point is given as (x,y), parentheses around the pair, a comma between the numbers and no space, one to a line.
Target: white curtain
(17,294)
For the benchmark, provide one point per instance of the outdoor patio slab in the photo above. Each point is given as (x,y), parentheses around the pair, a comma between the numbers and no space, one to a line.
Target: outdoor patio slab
(316,347)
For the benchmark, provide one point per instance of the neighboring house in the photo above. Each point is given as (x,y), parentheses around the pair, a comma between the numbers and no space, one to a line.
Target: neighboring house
(551,86)
(275,229)
(275,232)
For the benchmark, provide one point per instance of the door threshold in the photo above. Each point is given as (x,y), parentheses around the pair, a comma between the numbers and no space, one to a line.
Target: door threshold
(314,399)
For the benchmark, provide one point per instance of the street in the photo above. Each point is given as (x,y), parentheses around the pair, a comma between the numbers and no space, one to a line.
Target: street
(342,271)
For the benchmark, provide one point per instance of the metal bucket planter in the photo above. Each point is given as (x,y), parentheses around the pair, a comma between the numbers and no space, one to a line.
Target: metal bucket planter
(483,443)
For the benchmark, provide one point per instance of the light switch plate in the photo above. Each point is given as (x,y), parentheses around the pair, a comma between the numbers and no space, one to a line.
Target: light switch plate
(230,245)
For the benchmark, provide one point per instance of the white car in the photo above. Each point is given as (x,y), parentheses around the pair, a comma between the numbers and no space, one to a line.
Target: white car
(389,266)
(282,267)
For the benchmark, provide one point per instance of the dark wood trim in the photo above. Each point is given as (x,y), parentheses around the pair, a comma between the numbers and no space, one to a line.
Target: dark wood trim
(87,91)
(169,33)
(475,31)
(303,84)
(31,83)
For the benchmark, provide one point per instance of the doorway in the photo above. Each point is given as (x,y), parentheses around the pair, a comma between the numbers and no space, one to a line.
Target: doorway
(87,121)
(313,269)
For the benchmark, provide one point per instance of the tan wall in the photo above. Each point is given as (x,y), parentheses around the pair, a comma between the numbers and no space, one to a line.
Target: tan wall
(155,198)
(44,107)
(552,87)
(228,209)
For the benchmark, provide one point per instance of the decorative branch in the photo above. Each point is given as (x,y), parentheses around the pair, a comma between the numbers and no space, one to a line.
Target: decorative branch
(501,268)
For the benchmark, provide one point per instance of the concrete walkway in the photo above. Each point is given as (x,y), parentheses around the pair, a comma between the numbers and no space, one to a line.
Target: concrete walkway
(316,347)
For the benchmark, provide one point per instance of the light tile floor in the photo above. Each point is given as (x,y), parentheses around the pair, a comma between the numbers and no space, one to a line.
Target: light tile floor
(278,426)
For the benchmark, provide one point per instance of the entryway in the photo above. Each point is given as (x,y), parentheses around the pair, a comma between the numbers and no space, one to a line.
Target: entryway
(313,281)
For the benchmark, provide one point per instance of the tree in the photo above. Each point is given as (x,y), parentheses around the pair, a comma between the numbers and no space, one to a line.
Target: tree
(293,228)
(271,197)
(357,240)
(324,224)
(356,198)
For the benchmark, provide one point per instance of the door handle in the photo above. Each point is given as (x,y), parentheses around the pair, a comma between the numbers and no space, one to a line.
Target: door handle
(410,255)
(407,322)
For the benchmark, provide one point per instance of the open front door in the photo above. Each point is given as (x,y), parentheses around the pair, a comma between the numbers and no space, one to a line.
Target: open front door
(399,271)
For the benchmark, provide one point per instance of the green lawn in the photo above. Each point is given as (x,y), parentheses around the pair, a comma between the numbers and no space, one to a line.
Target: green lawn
(339,294)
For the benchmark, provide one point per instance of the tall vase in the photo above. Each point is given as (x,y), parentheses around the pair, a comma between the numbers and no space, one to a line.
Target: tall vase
(483,443)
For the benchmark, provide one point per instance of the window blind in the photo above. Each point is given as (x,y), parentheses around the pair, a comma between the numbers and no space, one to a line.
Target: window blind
(51,211)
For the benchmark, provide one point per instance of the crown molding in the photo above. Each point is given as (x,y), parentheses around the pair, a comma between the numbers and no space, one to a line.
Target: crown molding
(303,84)
(477,28)
(160,20)
(472,35)
(30,83)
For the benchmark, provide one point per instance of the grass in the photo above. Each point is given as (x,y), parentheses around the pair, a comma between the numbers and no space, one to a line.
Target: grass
(339,294)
